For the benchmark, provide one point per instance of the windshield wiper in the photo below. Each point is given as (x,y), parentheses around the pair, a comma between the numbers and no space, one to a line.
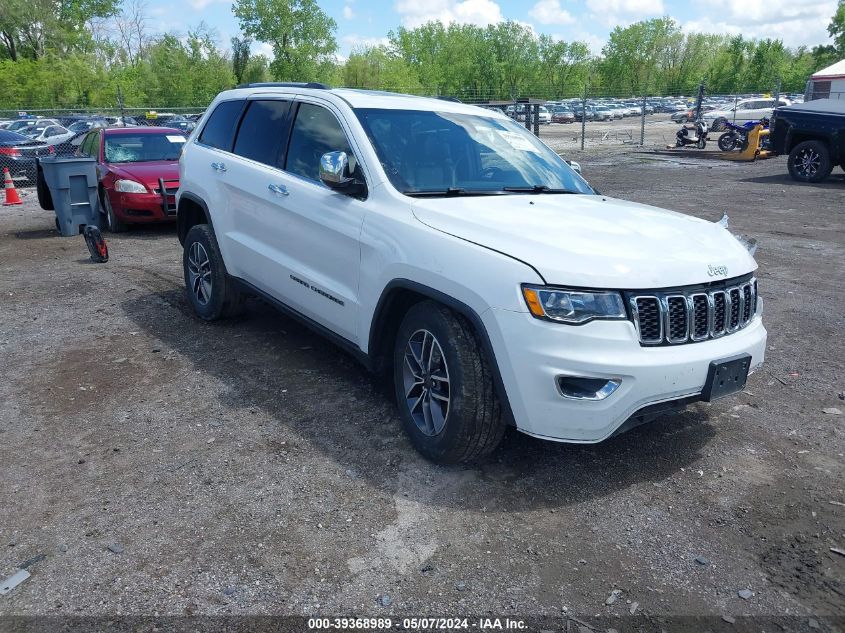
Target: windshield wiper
(451,192)
(537,189)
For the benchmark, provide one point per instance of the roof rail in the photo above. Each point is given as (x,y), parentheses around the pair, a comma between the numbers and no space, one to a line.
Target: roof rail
(287,84)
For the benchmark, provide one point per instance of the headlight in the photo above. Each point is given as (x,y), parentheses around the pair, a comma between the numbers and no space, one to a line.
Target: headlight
(573,306)
(129,186)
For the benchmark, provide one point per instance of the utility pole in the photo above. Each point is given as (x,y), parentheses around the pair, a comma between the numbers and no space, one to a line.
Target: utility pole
(642,123)
(120,106)
(583,116)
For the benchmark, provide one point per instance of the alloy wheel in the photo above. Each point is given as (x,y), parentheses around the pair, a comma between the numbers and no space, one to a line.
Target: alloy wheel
(426,381)
(808,162)
(199,273)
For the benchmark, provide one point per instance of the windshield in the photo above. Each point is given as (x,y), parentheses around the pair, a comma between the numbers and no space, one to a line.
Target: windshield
(142,148)
(464,154)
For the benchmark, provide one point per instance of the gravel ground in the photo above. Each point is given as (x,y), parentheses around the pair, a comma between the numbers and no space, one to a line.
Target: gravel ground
(166,466)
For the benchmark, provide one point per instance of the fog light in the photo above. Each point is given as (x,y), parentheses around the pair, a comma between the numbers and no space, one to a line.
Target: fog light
(581,388)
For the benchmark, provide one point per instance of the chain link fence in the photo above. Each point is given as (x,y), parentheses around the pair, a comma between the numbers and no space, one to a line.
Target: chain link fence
(569,121)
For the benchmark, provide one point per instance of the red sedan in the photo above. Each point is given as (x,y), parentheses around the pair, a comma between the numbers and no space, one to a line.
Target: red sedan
(138,172)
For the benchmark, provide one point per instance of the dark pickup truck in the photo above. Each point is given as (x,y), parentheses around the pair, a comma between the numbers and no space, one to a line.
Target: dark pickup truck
(813,135)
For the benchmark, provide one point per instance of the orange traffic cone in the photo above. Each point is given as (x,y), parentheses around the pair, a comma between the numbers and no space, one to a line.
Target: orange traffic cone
(12,196)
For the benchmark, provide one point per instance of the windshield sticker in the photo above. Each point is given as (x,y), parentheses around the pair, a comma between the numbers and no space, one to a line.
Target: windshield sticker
(175,138)
(518,141)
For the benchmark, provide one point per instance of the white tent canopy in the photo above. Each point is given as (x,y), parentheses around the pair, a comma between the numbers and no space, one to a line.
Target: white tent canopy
(837,71)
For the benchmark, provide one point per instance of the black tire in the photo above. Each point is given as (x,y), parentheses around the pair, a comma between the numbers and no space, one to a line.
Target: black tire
(810,162)
(472,425)
(702,142)
(728,142)
(45,198)
(110,221)
(223,299)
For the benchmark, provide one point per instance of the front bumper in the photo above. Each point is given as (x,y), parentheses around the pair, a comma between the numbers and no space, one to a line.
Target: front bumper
(141,207)
(532,354)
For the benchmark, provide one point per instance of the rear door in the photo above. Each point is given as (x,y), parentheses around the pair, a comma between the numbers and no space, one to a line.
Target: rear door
(209,157)
(253,224)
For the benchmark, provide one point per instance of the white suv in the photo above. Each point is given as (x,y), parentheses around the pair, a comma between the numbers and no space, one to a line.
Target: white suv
(455,254)
(742,112)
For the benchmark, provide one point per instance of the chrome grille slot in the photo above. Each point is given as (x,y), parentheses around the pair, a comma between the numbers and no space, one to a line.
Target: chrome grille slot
(719,312)
(735,298)
(673,317)
(676,319)
(700,328)
(648,319)
(747,307)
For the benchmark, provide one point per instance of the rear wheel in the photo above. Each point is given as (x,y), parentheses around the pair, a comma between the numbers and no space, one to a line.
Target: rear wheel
(810,162)
(444,386)
(212,293)
(728,141)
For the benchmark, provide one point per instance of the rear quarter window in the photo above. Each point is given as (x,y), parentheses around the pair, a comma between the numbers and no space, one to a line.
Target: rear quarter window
(219,130)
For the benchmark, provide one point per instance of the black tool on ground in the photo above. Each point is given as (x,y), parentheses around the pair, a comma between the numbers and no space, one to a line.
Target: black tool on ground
(96,244)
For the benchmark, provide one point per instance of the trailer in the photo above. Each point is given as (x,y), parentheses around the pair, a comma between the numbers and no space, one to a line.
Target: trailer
(828,83)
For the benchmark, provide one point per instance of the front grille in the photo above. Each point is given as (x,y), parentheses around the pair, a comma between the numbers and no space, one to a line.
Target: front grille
(688,315)
(651,325)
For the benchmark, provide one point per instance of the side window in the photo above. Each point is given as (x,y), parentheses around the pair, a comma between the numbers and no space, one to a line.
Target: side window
(86,149)
(262,130)
(316,131)
(219,130)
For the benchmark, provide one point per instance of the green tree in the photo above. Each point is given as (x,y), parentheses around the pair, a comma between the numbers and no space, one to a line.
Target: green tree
(301,34)
(633,55)
(240,56)
(836,28)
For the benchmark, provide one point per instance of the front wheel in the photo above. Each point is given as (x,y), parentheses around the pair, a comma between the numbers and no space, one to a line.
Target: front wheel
(211,292)
(112,222)
(444,386)
(701,143)
(810,162)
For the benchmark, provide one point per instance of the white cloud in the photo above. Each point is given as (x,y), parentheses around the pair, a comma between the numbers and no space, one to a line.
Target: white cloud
(351,42)
(622,12)
(262,48)
(481,12)
(796,22)
(550,12)
(199,5)
(348,13)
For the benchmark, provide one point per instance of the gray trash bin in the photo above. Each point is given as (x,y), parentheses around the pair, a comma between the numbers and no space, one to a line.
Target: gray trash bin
(72,181)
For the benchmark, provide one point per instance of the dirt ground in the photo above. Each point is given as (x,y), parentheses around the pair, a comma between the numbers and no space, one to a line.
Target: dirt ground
(166,467)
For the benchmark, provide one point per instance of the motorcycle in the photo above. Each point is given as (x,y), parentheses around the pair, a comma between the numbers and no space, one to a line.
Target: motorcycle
(693,134)
(736,138)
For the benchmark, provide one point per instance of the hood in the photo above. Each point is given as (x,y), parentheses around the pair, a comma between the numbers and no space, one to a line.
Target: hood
(148,173)
(592,241)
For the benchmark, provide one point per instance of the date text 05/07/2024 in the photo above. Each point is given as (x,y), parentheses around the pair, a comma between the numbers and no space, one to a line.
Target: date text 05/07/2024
(446,624)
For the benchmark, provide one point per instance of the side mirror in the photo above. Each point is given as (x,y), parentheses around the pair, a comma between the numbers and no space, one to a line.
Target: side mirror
(576,167)
(334,173)
(334,170)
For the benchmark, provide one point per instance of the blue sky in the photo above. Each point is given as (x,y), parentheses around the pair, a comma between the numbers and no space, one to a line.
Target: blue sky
(362,22)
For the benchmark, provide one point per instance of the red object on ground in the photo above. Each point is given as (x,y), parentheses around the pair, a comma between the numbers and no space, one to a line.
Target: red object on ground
(12,196)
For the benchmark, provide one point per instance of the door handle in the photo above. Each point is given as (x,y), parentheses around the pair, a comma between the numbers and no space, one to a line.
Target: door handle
(218,166)
(279,190)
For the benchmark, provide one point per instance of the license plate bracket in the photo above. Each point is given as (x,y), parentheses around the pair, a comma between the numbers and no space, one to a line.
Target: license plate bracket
(726,376)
